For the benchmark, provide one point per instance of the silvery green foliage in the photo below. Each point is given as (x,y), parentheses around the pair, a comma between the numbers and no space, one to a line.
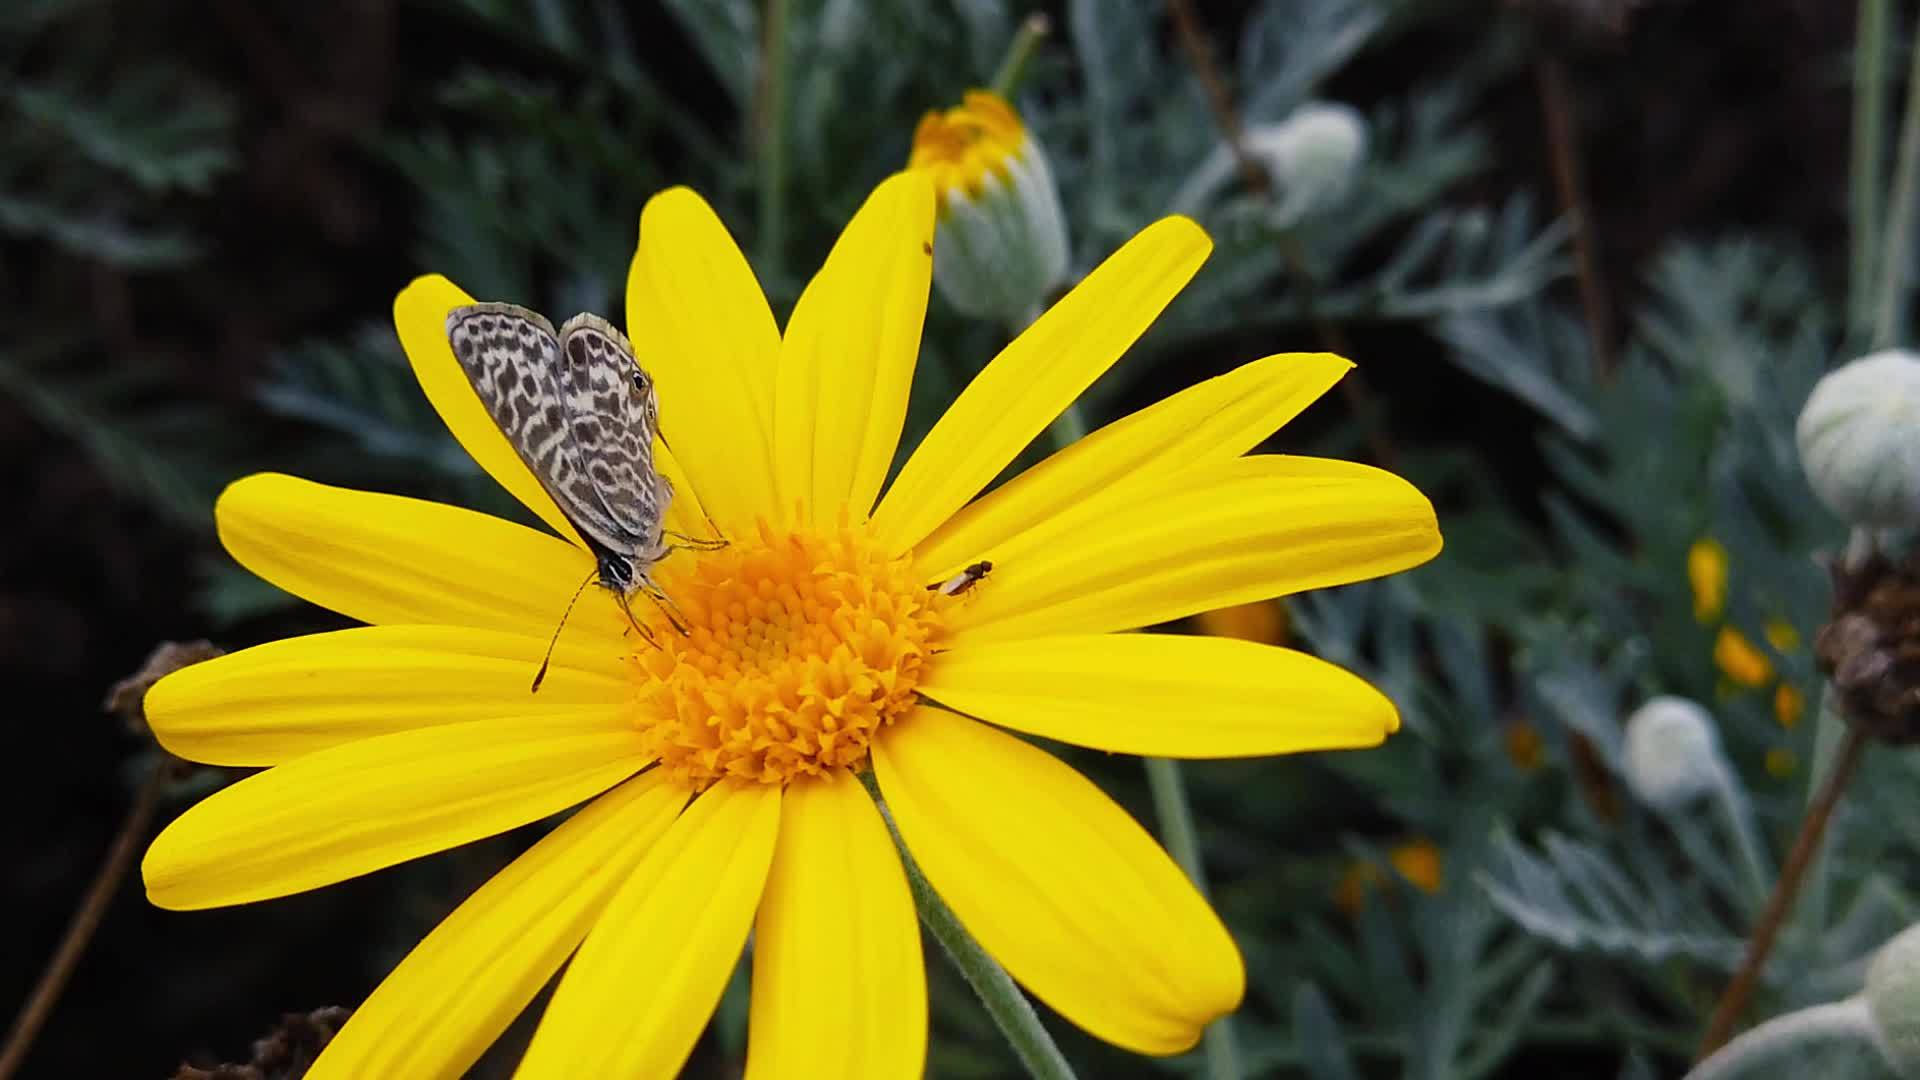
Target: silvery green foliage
(1660,897)
(99,155)
(1572,915)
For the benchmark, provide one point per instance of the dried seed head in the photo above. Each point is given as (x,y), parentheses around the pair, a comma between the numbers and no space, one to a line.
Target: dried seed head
(1871,647)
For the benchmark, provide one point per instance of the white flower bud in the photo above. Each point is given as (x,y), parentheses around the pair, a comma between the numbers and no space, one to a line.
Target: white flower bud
(1672,752)
(1893,999)
(1001,244)
(1311,155)
(1857,440)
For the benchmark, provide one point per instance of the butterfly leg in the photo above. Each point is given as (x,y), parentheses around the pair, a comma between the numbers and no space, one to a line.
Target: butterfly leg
(645,634)
(666,605)
(696,543)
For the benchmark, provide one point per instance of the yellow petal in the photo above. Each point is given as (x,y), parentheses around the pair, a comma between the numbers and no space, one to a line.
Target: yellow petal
(278,701)
(420,317)
(461,986)
(847,361)
(1058,883)
(1036,377)
(1214,535)
(702,328)
(639,992)
(389,559)
(838,985)
(685,515)
(1163,694)
(370,804)
(1218,419)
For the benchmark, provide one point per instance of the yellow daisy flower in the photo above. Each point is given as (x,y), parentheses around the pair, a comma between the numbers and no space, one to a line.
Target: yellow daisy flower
(720,765)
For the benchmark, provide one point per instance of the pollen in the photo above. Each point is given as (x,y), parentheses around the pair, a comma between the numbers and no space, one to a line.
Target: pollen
(965,145)
(799,649)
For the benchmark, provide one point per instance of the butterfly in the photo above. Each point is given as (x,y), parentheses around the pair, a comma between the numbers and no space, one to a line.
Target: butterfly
(580,411)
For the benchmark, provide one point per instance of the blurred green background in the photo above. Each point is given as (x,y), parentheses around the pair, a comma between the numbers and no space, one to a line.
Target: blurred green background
(206,209)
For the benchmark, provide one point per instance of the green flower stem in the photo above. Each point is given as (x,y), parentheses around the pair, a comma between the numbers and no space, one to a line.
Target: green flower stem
(1183,842)
(1070,427)
(1746,837)
(1829,733)
(1849,1019)
(1863,182)
(1900,211)
(1766,929)
(1013,66)
(1010,1010)
(772,116)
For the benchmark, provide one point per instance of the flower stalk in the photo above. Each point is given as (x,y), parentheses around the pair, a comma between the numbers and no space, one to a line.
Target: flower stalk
(1013,66)
(1170,805)
(1009,1008)
(1900,215)
(1869,118)
(1806,845)
(86,919)
(772,115)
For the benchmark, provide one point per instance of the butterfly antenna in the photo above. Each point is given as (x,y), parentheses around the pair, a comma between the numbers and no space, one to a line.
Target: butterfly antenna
(540,675)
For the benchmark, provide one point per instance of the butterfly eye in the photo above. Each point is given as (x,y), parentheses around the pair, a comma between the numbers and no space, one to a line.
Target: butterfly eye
(639,380)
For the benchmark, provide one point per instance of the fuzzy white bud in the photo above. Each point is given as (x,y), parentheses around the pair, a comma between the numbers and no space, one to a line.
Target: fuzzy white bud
(1857,440)
(1311,155)
(1001,245)
(1893,999)
(1672,752)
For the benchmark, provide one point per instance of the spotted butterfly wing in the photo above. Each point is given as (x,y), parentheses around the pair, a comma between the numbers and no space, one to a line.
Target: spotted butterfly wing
(614,416)
(519,370)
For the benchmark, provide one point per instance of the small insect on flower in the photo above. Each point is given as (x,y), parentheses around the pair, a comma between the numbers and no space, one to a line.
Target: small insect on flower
(582,414)
(964,580)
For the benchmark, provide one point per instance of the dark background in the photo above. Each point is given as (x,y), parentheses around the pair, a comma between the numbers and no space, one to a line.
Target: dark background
(1695,117)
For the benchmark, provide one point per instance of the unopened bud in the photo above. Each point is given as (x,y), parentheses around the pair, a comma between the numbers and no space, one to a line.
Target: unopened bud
(1001,244)
(1311,156)
(1856,437)
(1672,752)
(1893,999)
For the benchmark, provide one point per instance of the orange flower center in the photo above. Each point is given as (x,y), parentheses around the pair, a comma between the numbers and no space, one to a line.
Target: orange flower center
(961,147)
(801,647)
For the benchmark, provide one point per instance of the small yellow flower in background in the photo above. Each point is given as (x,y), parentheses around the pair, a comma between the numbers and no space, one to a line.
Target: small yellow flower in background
(1263,621)
(1789,705)
(1707,573)
(1740,660)
(1524,746)
(1782,762)
(1743,663)
(1418,860)
(718,770)
(1002,243)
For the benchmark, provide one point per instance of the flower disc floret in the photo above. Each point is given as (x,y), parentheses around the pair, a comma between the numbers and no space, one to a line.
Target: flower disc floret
(801,647)
(965,145)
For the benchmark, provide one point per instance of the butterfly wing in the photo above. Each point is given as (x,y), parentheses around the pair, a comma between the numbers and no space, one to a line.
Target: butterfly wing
(512,358)
(613,416)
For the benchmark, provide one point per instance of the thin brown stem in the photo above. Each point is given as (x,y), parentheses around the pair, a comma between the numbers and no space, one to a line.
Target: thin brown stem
(1805,846)
(1556,104)
(1193,42)
(86,919)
